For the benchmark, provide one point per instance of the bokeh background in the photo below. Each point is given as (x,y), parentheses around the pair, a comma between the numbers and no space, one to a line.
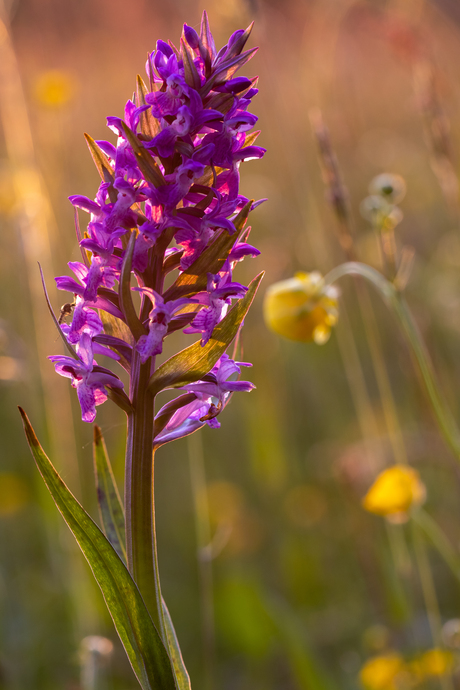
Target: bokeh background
(298,585)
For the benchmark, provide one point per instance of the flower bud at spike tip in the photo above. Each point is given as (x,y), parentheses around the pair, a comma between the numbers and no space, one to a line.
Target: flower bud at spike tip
(394,492)
(302,308)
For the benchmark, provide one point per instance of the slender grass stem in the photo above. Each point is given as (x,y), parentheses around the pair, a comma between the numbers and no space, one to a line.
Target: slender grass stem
(381,375)
(439,541)
(429,595)
(398,305)
(357,382)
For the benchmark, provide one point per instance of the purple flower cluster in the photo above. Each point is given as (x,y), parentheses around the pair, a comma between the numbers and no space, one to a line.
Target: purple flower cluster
(169,192)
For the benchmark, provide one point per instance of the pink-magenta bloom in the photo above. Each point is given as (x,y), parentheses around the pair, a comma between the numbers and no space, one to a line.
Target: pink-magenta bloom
(171,178)
(89,379)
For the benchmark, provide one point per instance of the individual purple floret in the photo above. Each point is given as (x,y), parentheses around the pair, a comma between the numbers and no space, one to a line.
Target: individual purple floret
(90,380)
(211,396)
(217,299)
(159,317)
(217,387)
(165,232)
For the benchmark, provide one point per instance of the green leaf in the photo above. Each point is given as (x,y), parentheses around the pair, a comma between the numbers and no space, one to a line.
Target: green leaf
(110,505)
(142,643)
(145,161)
(192,77)
(182,677)
(227,70)
(196,361)
(194,279)
(150,127)
(103,166)
(251,138)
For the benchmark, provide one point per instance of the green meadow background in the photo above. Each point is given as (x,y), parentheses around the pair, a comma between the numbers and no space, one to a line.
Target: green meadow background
(275,576)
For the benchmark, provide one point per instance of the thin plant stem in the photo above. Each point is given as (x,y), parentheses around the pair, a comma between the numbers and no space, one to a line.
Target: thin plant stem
(204,554)
(356,380)
(381,374)
(398,305)
(439,540)
(429,594)
(399,550)
(339,201)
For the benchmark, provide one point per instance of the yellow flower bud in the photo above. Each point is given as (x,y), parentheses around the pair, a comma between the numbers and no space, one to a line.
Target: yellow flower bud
(302,308)
(394,492)
(380,672)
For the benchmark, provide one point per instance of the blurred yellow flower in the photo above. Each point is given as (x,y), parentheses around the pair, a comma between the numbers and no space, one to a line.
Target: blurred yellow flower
(380,672)
(302,308)
(54,88)
(394,492)
(435,662)
(14,493)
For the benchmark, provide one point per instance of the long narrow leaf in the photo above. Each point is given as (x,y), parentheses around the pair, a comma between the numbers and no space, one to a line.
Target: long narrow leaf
(110,505)
(146,163)
(182,677)
(101,161)
(195,361)
(150,127)
(142,643)
(113,523)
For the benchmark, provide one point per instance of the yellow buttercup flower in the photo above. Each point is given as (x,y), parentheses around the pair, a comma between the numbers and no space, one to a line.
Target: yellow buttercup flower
(435,662)
(381,672)
(302,308)
(54,88)
(394,492)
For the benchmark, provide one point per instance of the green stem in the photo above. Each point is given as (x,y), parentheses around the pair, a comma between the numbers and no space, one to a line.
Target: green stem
(141,543)
(139,496)
(397,303)
(429,595)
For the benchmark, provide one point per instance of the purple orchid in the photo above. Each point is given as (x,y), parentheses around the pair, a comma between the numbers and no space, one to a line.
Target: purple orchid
(159,317)
(217,299)
(211,396)
(172,178)
(165,234)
